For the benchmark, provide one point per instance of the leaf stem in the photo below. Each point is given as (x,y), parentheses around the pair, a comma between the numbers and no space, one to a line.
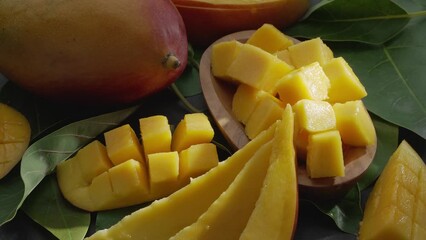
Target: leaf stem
(185,102)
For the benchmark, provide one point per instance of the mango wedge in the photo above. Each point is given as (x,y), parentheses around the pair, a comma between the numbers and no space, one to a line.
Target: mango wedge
(275,214)
(228,215)
(167,216)
(396,208)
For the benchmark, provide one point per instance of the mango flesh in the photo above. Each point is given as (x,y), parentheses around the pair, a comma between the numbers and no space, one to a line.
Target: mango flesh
(163,172)
(314,116)
(156,134)
(223,54)
(100,51)
(196,160)
(270,39)
(164,218)
(318,52)
(398,199)
(244,101)
(15,134)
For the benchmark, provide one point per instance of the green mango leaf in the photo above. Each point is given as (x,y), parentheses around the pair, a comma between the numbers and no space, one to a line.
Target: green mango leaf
(47,207)
(41,158)
(367,21)
(387,142)
(393,74)
(189,82)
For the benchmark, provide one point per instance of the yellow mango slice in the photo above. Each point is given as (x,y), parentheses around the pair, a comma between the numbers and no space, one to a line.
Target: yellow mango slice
(155,134)
(228,215)
(354,123)
(245,100)
(93,160)
(223,54)
(314,116)
(344,84)
(275,214)
(257,68)
(15,134)
(269,38)
(310,51)
(122,144)
(325,155)
(165,217)
(101,193)
(267,111)
(308,82)
(163,171)
(70,178)
(396,207)
(197,160)
(194,128)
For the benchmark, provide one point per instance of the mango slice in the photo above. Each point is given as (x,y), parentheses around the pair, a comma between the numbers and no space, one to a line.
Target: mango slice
(308,82)
(194,128)
(167,216)
(228,215)
(396,208)
(310,51)
(275,214)
(354,123)
(344,83)
(155,134)
(270,39)
(245,100)
(15,134)
(223,54)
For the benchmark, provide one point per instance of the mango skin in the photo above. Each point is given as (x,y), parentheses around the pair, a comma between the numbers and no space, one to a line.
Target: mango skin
(92,52)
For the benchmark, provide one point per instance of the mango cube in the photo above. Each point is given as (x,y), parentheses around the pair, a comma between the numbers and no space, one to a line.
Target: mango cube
(354,123)
(257,68)
(398,199)
(163,170)
(344,84)
(310,51)
(284,55)
(325,155)
(308,82)
(197,160)
(101,192)
(194,128)
(270,39)
(93,160)
(266,112)
(156,134)
(244,101)
(314,116)
(223,54)
(122,144)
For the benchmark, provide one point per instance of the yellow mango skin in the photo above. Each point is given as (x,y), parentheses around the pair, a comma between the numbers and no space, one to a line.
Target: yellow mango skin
(344,83)
(267,111)
(15,134)
(310,51)
(257,68)
(228,215)
(122,144)
(197,160)
(308,82)
(325,155)
(354,123)
(156,134)
(165,217)
(275,214)
(194,128)
(245,100)
(270,39)
(398,199)
(223,54)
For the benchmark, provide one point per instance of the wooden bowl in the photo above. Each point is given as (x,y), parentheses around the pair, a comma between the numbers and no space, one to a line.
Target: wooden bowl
(218,95)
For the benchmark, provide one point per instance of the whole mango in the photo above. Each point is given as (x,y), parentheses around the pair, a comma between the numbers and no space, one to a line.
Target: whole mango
(92,51)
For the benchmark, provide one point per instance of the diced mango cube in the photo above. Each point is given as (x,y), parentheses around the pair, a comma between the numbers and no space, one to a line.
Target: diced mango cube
(354,123)
(101,192)
(156,134)
(397,204)
(308,82)
(266,112)
(284,55)
(257,68)
(344,84)
(244,101)
(269,38)
(223,54)
(325,155)
(197,160)
(163,170)
(122,144)
(67,170)
(314,116)
(194,128)
(310,51)
(93,160)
